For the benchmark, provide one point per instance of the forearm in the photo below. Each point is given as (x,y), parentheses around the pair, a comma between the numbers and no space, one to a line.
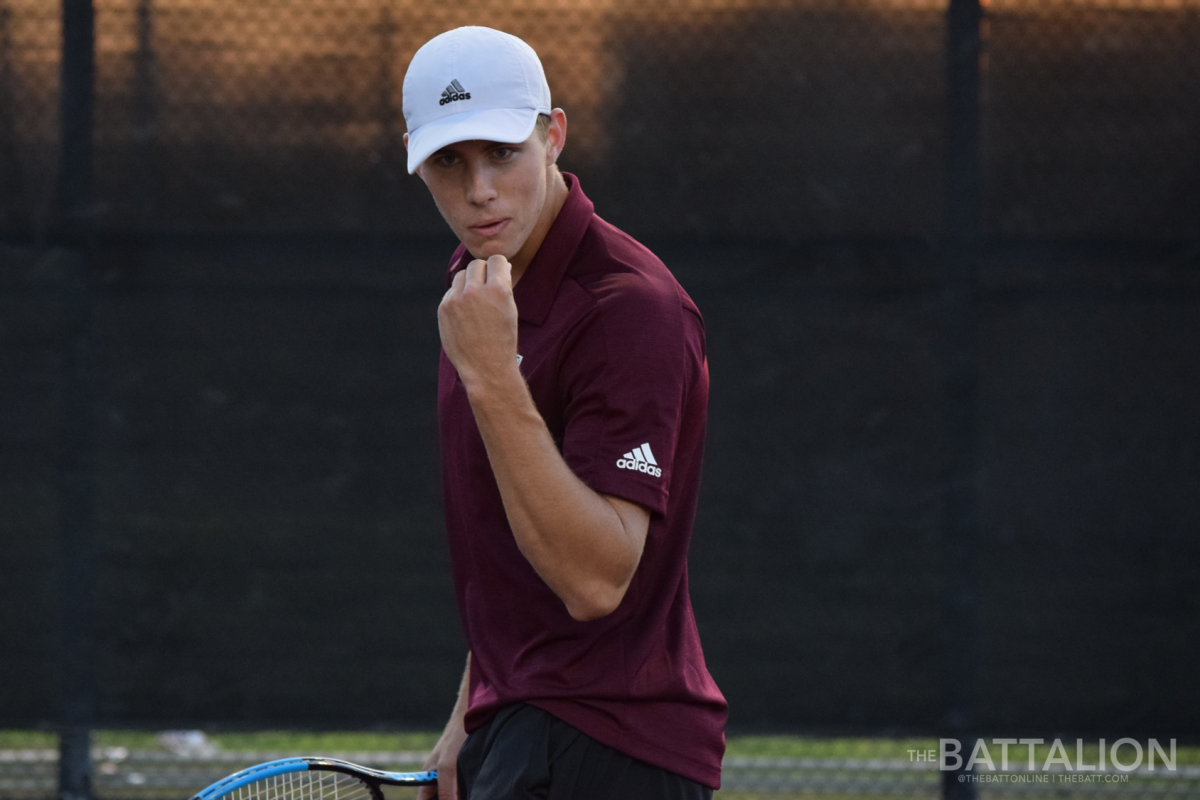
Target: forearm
(573,537)
(444,757)
(459,714)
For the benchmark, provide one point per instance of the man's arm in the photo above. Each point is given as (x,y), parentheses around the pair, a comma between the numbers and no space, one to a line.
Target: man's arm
(444,757)
(584,545)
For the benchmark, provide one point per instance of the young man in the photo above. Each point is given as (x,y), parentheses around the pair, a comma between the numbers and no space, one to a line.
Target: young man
(572,397)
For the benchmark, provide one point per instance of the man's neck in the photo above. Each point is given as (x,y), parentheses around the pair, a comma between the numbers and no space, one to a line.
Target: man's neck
(556,196)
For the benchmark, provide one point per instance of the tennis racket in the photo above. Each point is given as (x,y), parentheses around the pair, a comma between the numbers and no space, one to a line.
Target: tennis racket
(311,779)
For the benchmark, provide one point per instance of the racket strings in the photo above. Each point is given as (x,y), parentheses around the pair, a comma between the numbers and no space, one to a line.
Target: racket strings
(307,785)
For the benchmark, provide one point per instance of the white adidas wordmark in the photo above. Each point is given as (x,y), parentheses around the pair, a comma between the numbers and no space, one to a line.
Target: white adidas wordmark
(640,459)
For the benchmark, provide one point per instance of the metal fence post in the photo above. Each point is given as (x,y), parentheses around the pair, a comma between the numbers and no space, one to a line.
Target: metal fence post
(961,509)
(145,111)
(76,570)
(75,119)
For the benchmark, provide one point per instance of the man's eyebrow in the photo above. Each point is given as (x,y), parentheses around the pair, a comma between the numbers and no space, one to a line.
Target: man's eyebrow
(485,144)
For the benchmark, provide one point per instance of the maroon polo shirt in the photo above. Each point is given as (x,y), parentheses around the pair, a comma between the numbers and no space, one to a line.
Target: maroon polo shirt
(613,352)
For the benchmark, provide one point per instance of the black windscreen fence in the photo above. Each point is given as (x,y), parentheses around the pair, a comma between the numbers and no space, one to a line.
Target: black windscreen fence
(952,477)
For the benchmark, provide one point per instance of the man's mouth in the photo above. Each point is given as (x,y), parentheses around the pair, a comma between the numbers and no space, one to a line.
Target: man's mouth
(490,227)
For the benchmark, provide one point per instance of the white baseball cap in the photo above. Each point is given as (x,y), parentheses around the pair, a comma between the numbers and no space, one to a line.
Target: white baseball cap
(472,83)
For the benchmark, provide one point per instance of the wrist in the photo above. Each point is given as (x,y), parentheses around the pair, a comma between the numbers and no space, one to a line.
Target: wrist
(499,385)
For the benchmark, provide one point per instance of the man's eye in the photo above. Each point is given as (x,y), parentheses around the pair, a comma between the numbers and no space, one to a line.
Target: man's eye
(503,153)
(447,160)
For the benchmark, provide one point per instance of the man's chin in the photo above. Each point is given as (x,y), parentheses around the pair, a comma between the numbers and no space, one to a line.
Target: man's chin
(486,250)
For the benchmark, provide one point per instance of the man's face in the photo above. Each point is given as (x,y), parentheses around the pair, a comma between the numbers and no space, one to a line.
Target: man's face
(491,194)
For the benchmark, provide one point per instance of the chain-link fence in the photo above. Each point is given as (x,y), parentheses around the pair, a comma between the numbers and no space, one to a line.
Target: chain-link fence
(285,116)
(124,774)
(29,63)
(1091,113)
(263,272)
(821,118)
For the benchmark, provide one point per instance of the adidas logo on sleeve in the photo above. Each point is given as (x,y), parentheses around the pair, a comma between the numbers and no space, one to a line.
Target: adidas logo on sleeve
(640,459)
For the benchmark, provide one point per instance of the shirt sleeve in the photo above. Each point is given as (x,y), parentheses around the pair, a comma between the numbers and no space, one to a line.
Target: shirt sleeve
(626,372)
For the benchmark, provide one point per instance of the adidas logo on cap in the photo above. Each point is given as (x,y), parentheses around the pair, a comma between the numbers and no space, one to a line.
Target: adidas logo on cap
(453,92)
(640,459)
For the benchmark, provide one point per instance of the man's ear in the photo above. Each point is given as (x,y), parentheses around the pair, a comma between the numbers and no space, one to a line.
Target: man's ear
(416,171)
(556,135)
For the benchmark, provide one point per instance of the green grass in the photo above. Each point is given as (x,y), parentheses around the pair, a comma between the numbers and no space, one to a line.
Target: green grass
(746,746)
(316,743)
(134,740)
(321,743)
(804,747)
(290,741)
(27,740)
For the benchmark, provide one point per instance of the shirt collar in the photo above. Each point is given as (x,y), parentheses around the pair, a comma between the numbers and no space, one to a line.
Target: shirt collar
(538,287)
(535,292)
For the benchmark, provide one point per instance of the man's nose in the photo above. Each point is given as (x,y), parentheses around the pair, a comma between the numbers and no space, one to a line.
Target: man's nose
(480,188)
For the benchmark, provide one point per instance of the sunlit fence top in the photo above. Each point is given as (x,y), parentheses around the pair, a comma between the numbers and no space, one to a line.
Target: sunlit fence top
(820,118)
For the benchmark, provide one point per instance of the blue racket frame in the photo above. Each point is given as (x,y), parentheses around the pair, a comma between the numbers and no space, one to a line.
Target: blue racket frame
(282,766)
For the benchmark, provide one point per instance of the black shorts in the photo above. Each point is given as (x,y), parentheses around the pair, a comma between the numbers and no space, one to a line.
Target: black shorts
(525,752)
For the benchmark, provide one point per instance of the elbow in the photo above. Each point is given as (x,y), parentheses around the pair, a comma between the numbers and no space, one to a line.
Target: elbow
(586,612)
(597,603)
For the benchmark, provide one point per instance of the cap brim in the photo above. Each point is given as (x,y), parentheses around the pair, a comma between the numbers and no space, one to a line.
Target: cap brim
(508,125)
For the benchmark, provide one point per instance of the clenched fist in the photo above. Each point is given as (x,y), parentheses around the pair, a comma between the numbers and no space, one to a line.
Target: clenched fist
(478,321)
